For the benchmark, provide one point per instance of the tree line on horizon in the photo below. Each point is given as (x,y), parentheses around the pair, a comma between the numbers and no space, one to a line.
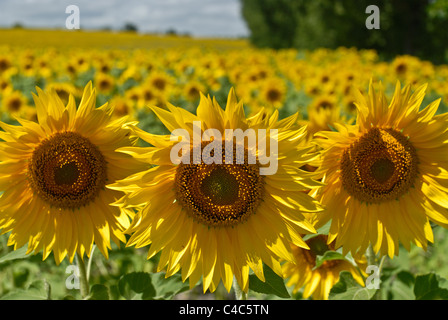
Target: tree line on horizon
(414,27)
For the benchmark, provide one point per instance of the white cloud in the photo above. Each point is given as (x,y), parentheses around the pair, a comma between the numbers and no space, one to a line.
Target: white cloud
(197,17)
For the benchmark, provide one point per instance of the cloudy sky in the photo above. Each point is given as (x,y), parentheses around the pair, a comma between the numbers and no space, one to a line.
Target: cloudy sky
(198,17)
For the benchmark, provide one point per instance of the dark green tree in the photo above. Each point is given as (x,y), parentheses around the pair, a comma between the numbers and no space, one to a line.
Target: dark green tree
(130,27)
(417,27)
(272,23)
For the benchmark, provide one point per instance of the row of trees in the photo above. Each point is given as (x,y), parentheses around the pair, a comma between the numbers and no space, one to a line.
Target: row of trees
(417,27)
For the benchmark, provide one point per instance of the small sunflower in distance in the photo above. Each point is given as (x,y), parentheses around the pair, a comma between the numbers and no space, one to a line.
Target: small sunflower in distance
(386,176)
(314,277)
(53,175)
(218,220)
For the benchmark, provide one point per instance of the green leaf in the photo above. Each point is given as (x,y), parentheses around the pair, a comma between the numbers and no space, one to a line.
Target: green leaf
(167,288)
(429,287)
(328,255)
(154,286)
(400,287)
(348,289)
(37,290)
(14,255)
(273,283)
(98,292)
(133,285)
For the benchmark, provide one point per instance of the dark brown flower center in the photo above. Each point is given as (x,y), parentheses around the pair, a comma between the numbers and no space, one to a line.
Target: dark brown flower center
(66,170)
(273,95)
(219,194)
(379,166)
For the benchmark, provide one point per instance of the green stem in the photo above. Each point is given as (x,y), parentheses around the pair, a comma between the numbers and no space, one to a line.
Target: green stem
(371,256)
(83,277)
(372,260)
(381,264)
(239,293)
(89,264)
(47,288)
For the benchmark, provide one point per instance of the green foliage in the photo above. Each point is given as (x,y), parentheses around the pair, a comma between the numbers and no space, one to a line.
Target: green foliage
(394,286)
(37,290)
(271,22)
(127,275)
(430,287)
(150,286)
(273,284)
(98,292)
(348,289)
(13,255)
(416,27)
(414,275)
(328,256)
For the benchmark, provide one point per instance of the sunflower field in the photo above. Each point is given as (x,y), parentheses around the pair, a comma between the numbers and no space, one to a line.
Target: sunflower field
(92,207)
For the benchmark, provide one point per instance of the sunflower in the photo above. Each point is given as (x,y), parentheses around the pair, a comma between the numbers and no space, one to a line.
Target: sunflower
(192,90)
(317,278)
(159,81)
(104,82)
(273,92)
(64,90)
(402,65)
(218,220)
(5,86)
(322,112)
(15,104)
(313,88)
(148,95)
(53,175)
(5,63)
(123,107)
(385,177)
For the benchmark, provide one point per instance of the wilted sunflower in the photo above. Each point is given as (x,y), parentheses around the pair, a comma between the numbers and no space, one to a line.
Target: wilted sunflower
(53,175)
(317,280)
(386,177)
(219,220)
